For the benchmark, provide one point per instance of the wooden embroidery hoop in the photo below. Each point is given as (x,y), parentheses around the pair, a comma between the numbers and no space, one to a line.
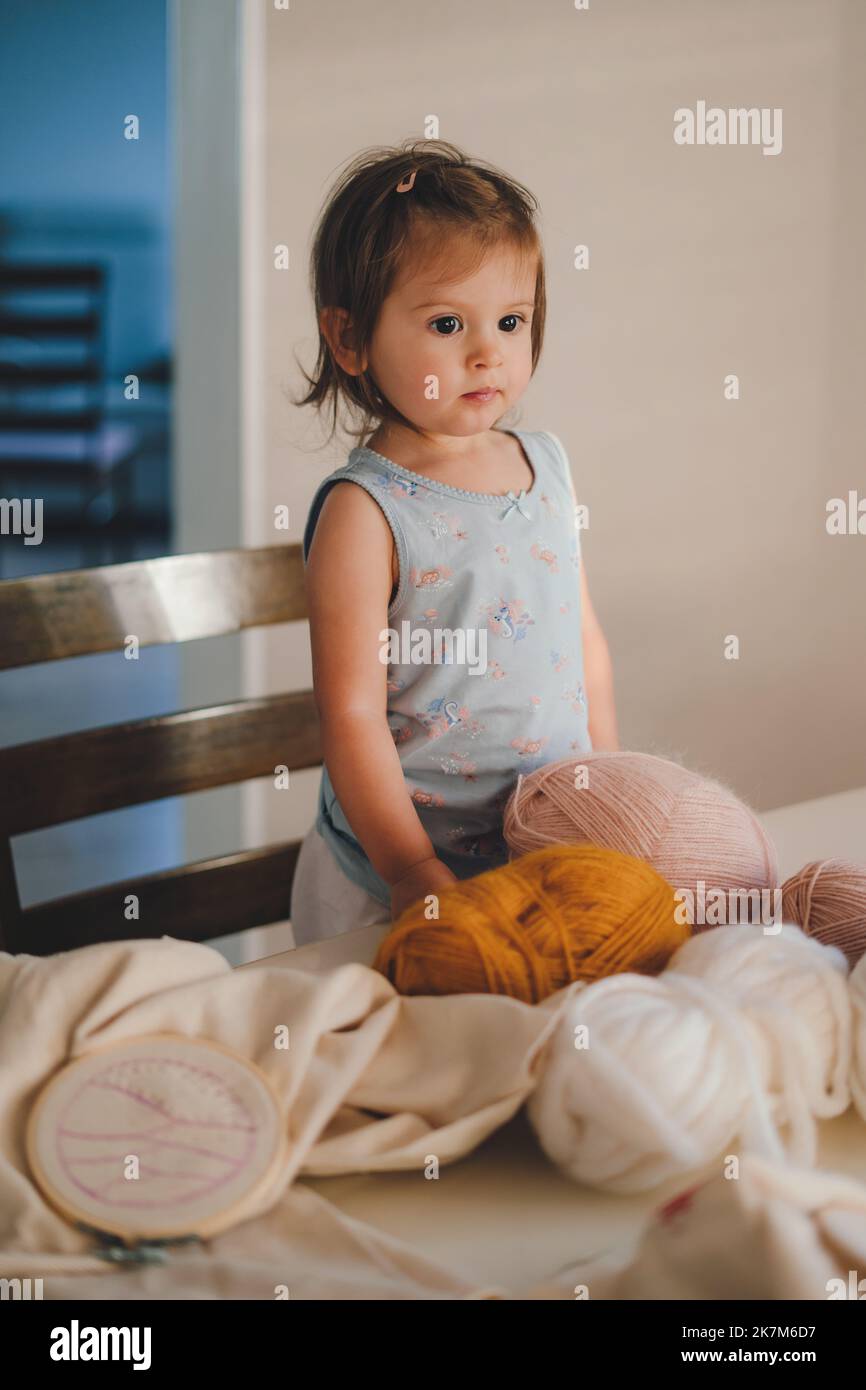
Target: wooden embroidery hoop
(243,1085)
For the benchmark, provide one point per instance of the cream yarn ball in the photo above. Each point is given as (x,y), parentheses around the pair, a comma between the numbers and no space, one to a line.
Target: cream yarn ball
(680,1067)
(670,1075)
(858,1060)
(797,990)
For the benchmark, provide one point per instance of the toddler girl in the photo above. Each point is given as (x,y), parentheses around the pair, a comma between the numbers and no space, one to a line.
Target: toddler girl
(454,644)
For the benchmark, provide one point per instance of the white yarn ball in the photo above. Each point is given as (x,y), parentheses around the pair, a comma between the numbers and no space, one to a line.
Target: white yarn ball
(743,1035)
(671,1074)
(857,985)
(797,989)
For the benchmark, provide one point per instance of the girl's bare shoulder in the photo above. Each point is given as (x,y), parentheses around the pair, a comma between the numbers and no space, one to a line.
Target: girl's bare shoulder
(352,527)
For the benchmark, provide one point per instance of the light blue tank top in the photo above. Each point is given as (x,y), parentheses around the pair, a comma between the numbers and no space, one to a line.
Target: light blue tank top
(485,669)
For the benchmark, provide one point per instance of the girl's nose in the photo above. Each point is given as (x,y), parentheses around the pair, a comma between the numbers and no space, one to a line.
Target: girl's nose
(485,352)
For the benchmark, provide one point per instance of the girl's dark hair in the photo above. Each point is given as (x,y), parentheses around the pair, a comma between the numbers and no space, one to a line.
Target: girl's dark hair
(367,229)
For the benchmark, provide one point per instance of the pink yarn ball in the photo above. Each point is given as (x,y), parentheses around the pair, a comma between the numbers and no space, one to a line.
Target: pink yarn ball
(688,827)
(827,898)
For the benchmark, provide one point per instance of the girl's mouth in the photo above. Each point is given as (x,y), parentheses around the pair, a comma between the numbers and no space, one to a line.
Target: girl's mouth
(481,396)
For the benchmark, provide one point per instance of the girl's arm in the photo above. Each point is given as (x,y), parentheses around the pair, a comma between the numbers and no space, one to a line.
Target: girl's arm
(348,582)
(597,665)
(598,675)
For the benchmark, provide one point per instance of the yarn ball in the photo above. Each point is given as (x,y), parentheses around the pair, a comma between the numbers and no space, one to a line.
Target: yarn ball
(647,1080)
(827,898)
(797,989)
(688,827)
(527,929)
(857,985)
(670,1074)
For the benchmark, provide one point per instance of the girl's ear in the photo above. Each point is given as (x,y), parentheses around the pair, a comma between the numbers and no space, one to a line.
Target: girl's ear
(337,330)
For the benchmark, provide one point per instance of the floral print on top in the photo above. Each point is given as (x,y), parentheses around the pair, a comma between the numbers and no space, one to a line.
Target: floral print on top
(471,563)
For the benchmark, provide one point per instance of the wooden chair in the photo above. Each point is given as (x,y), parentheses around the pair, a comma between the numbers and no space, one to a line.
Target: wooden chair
(177,598)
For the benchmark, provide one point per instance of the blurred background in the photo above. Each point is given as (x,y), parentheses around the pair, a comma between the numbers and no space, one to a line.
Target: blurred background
(86,221)
(86,364)
(154,258)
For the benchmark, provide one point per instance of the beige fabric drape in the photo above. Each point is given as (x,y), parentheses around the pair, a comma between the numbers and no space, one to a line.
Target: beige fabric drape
(371,1081)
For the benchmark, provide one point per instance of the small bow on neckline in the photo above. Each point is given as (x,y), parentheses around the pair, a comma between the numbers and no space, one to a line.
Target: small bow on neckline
(515,502)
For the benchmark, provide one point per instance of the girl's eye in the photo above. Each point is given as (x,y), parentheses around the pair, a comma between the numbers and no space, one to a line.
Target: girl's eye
(447,318)
(509,324)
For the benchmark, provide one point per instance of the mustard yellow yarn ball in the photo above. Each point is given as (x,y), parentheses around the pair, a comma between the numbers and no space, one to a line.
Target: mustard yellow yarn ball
(562,913)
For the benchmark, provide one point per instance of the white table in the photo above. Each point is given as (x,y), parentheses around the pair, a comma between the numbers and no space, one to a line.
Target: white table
(504,1214)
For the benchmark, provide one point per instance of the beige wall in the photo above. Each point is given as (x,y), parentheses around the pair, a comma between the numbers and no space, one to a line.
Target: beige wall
(707,516)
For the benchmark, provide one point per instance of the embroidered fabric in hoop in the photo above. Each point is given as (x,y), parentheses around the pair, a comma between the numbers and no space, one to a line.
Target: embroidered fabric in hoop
(406,182)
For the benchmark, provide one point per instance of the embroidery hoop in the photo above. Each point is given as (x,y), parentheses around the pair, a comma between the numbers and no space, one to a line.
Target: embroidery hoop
(148,1082)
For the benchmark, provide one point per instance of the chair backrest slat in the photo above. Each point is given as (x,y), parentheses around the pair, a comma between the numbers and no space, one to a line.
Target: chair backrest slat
(199,901)
(177,598)
(83,774)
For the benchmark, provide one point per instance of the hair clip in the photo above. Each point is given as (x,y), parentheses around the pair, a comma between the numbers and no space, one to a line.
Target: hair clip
(406,182)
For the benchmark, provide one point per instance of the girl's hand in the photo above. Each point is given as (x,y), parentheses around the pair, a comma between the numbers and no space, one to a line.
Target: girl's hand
(430,876)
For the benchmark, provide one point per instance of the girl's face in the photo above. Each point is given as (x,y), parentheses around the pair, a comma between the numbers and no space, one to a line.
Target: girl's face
(437,341)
